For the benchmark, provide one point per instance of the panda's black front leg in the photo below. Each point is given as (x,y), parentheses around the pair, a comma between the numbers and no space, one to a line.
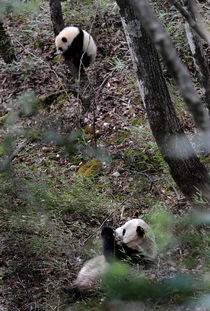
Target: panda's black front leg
(74,292)
(111,250)
(107,235)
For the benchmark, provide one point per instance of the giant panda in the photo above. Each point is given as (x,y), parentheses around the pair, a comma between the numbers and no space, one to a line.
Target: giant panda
(134,241)
(77,46)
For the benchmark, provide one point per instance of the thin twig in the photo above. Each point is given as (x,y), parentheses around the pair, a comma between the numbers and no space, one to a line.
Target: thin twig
(90,236)
(45,63)
(198,28)
(94,123)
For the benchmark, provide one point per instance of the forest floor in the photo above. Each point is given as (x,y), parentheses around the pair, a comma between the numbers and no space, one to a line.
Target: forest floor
(59,190)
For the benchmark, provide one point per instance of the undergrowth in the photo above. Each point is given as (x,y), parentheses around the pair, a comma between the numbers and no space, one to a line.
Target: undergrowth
(50,215)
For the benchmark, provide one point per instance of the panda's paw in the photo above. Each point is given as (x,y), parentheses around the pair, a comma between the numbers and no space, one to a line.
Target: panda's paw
(107,231)
(73,292)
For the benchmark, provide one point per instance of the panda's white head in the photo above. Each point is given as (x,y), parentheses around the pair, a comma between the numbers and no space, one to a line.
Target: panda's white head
(138,235)
(65,37)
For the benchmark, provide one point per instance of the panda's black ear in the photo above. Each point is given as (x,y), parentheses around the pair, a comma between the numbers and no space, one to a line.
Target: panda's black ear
(140,231)
(64,39)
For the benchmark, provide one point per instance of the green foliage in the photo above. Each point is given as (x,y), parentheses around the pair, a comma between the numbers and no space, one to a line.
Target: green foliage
(194,236)
(145,156)
(28,103)
(203,301)
(46,208)
(118,64)
(32,135)
(162,224)
(18,7)
(200,202)
(91,168)
(108,5)
(7,145)
(70,141)
(73,16)
(34,247)
(162,14)
(122,284)
(179,38)
(84,199)
(4,118)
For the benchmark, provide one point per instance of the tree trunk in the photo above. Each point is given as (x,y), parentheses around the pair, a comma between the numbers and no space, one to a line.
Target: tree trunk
(6,48)
(56,16)
(186,169)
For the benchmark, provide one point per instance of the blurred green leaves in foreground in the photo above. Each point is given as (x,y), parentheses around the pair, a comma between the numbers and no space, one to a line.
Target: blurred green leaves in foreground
(30,8)
(121,283)
(187,234)
(188,284)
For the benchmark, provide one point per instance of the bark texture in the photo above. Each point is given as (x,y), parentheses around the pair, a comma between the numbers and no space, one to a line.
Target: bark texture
(186,169)
(6,48)
(56,16)
(163,44)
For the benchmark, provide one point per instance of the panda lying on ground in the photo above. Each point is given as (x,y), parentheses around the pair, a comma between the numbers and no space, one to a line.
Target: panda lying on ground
(134,241)
(77,46)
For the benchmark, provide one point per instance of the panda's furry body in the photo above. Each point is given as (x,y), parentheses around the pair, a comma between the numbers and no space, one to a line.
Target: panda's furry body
(133,242)
(77,46)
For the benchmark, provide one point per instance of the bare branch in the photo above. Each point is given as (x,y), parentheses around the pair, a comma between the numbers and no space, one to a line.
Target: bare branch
(196,46)
(197,27)
(163,43)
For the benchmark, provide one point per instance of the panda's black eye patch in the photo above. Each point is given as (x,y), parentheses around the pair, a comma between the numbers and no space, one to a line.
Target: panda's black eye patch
(124,230)
(60,49)
(64,39)
(140,231)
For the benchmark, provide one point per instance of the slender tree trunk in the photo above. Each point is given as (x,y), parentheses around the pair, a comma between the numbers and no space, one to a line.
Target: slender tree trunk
(186,169)
(6,48)
(56,16)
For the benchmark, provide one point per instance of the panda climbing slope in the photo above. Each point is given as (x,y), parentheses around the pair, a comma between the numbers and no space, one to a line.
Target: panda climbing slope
(134,242)
(77,46)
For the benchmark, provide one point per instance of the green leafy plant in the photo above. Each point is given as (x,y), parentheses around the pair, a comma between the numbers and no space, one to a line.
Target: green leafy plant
(18,7)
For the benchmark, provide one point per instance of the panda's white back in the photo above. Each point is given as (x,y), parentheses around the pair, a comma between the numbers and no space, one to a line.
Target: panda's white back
(91,272)
(89,45)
